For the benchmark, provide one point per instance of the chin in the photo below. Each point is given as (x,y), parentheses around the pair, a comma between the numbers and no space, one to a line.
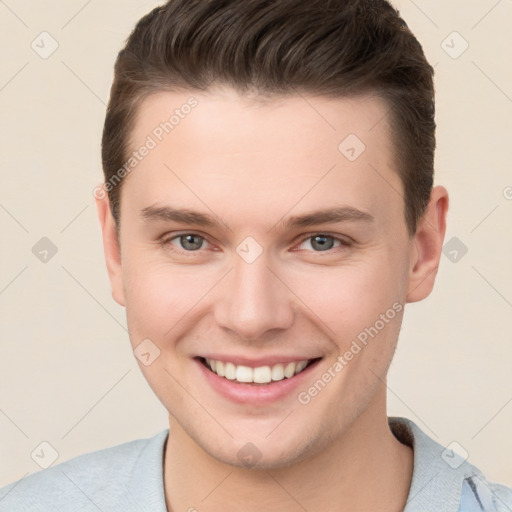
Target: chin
(265,454)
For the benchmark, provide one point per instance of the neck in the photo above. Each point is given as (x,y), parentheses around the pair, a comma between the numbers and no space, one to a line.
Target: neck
(366,468)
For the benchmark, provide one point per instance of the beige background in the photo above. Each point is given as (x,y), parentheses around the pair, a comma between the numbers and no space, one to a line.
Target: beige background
(67,374)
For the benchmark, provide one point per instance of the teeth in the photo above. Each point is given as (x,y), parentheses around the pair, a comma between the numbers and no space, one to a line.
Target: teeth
(300,366)
(262,374)
(230,370)
(259,375)
(278,372)
(220,368)
(289,370)
(244,374)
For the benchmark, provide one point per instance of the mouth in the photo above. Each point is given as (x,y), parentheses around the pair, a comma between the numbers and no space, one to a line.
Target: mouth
(262,375)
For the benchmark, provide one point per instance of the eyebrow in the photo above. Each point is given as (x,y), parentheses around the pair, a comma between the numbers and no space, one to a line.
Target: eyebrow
(325,216)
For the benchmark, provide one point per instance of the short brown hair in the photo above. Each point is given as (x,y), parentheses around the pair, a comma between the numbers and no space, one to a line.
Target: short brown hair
(334,48)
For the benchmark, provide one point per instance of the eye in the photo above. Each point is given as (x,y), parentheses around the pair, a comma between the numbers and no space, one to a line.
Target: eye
(318,242)
(322,243)
(188,242)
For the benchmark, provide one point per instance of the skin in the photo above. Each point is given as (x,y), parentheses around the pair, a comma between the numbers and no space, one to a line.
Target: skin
(251,165)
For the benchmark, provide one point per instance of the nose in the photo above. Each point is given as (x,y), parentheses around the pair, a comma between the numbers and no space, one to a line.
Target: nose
(254,300)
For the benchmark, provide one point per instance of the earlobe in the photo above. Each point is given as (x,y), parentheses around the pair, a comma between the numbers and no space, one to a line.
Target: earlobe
(111,248)
(426,246)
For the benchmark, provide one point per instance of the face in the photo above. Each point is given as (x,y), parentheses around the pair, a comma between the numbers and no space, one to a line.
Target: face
(255,236)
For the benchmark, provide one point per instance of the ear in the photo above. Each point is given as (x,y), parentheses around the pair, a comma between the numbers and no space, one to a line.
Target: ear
(426,246)
(111,246)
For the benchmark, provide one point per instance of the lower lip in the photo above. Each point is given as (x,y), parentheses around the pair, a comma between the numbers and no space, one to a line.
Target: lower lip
(247,393)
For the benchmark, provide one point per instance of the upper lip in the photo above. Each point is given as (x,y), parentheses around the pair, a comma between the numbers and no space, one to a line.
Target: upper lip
(261,361)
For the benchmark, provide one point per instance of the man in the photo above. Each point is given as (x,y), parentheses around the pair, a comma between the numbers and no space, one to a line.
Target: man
(269,210)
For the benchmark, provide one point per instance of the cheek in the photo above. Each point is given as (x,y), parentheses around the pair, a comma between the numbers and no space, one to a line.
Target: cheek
(351,297)
(344,299)
(156,297)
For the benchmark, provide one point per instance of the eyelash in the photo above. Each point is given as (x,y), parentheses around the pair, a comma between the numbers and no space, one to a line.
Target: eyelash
(343,242)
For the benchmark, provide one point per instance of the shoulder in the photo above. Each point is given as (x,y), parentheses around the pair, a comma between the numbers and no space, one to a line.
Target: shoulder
(92,481)
(443,480)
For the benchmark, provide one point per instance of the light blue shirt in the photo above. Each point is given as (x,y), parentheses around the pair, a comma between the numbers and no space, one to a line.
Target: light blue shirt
(129,478)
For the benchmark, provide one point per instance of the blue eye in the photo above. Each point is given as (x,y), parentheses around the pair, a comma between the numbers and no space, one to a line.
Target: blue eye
(319,242)
(322,243)
(189,241)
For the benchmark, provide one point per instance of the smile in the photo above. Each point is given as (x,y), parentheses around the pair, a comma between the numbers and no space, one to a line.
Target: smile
(256,375)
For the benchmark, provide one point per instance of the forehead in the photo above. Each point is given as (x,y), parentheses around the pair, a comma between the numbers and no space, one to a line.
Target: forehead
(266,122)
(281,151)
